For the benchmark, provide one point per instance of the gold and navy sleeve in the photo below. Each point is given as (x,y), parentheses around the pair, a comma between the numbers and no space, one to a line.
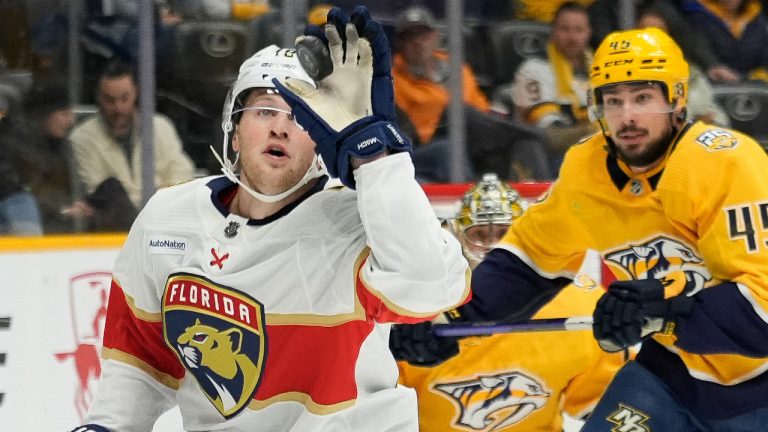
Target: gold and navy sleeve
(715,189)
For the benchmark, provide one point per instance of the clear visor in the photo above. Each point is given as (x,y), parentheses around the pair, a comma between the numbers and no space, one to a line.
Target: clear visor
(485,235)
(267,114)
(478,240)
(623,99)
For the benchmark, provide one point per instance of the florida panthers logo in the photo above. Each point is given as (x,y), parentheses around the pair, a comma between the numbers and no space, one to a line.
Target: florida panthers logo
(218,335)
(660,258)
(491,403)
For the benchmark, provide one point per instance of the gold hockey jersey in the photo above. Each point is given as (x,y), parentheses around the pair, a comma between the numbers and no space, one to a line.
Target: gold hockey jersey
(518,381)
(701,215)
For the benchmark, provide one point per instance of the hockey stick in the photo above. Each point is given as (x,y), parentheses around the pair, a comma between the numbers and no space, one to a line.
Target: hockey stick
(592,274)
(527,326)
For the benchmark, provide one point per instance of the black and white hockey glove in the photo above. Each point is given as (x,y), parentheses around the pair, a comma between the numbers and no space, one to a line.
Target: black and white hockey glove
(90,428)
(630,311)
(351,112)
(418,345)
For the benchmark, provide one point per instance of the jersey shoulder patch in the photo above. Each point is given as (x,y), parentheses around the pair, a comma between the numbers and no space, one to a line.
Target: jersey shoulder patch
(714,139)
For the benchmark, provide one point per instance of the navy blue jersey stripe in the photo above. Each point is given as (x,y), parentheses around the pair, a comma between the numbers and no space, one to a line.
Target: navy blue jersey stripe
(504,288)
(723,321)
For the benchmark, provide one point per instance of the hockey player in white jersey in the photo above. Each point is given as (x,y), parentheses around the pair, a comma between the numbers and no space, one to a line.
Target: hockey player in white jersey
(261,300)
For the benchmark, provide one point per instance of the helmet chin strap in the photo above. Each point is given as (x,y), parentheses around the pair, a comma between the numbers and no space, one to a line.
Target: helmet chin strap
(314,171)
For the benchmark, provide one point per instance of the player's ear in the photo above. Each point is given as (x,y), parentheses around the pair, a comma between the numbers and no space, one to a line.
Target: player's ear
(236,139)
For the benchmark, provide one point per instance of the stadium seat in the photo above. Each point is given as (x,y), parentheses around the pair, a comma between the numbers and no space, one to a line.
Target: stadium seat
(514,41)
(208,55)
(747,107)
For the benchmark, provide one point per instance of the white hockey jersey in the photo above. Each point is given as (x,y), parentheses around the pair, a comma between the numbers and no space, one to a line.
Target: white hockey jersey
(535,89)
(279,324)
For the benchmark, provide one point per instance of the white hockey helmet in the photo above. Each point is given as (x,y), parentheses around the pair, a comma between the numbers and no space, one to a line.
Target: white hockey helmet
(257,72)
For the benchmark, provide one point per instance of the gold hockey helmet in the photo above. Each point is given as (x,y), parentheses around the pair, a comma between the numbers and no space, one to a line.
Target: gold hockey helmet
(639,55)
(487,211)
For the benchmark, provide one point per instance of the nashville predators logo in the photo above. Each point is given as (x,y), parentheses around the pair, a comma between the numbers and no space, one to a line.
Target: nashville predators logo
(717,139)
(662,258)
(491,403)
(628,419)
(218,335)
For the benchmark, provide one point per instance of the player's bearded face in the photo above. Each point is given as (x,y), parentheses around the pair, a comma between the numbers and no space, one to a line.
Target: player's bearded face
(274,152)
(639,120)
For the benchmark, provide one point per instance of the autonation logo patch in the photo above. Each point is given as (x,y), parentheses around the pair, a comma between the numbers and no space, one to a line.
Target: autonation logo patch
(167,245)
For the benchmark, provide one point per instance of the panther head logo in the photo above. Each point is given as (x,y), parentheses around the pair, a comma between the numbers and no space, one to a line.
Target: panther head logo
(490,403)
(214,358)
(219,336)
(660,258)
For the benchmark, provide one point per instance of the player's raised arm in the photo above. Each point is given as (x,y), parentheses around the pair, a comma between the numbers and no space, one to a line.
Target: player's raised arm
(415,267)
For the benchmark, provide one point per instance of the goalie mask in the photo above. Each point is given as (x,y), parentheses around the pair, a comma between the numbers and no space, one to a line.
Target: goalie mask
(486,213)
(257,72)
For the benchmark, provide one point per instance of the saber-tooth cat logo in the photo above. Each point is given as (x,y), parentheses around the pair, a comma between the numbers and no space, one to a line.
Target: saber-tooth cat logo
(494,402)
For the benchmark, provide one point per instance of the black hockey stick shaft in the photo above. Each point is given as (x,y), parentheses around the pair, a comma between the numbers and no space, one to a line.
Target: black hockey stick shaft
(527,326)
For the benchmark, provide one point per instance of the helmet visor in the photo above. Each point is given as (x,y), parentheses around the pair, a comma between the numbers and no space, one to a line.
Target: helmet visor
(635,97)
(485,235)
(267,114)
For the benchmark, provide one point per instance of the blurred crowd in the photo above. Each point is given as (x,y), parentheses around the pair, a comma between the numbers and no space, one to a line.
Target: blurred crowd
(73,167)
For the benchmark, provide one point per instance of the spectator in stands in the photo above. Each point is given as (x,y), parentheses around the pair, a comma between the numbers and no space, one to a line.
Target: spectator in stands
(701,99)
(604,16)
(551,93)
(542,11)
(737,32)
(420,73)
(19,214)
(107,145)
(544,374)
(45,161)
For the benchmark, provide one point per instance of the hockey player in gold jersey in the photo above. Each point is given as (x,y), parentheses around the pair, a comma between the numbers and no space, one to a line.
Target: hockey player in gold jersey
(511,382)
(679,211)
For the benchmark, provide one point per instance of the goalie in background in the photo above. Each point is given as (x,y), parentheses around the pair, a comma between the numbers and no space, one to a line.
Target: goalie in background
(504,382)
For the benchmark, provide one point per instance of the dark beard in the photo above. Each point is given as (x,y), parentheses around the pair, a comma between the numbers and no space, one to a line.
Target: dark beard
(655,151)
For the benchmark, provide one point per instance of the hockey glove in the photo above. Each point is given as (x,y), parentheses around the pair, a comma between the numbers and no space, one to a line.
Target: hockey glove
(312,49)
(344,115)
(633,310)
(418,345)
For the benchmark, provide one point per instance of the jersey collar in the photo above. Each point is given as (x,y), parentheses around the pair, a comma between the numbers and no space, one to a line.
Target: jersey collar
(223,191)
